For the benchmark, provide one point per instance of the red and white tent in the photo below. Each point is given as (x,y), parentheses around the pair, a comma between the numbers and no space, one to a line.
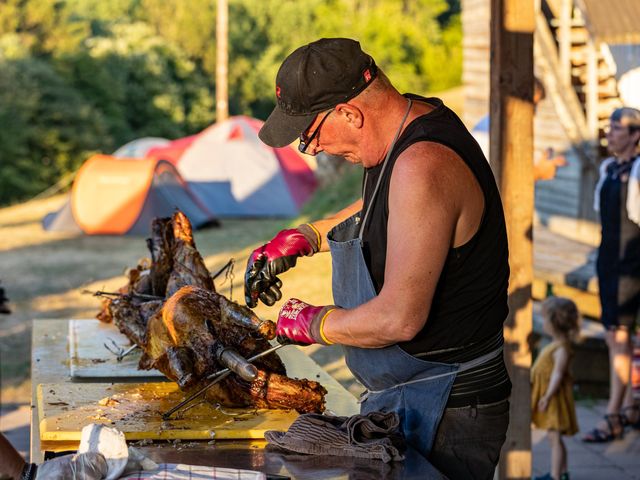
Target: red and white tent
(234,174)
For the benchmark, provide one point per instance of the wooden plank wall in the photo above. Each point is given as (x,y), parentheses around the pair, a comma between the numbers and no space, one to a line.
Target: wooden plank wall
(476,60)
(560,196)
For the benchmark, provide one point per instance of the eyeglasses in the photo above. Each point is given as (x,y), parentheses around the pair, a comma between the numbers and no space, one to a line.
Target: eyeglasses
(306,140)
(615,127)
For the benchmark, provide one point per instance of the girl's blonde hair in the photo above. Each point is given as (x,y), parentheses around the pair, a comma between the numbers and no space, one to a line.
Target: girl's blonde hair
(562,314)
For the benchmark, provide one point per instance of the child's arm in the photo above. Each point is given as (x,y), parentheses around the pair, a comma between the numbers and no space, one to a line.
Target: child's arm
(560,365)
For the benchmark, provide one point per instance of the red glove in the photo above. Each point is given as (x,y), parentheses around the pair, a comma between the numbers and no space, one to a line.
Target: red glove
(274,258)
(303,323)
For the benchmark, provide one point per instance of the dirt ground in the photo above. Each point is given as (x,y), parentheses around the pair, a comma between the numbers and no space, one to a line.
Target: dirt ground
(45,273)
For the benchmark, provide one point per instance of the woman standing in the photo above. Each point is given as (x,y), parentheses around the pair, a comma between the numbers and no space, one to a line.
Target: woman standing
(617,198)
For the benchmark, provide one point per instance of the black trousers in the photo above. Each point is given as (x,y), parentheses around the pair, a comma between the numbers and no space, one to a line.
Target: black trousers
(469,439)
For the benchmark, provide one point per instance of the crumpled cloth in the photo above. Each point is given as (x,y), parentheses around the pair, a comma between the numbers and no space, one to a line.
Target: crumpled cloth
(81,466)
(375,435)
(172,471)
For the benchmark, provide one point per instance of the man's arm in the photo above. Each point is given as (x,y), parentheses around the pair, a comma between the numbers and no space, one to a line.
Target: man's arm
(11,463)
(546,163)
(282,252)
(435,203)
(323,226)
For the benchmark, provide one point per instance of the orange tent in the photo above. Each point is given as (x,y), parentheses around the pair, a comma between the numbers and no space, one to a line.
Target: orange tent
(116,196)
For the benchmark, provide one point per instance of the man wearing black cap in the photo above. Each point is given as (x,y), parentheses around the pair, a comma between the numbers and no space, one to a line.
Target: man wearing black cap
(420,265)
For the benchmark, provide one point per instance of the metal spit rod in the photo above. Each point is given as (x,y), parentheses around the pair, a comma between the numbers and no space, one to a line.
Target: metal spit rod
(217,377)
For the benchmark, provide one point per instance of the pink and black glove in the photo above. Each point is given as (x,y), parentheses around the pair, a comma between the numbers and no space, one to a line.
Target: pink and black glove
(272,259)
(303,323)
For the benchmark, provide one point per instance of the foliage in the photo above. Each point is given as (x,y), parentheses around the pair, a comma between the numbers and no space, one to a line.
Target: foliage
(345,189)
(47,129)
(79,76)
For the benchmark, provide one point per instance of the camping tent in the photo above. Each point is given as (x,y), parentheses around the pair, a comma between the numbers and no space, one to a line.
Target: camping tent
(117,196)
(172,151)
(138,148)
(235,175)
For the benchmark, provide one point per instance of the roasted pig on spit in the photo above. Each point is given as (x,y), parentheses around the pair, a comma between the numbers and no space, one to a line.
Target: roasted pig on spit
(170,309)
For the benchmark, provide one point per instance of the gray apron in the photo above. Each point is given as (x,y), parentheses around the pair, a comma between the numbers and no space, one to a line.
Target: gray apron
(416,389)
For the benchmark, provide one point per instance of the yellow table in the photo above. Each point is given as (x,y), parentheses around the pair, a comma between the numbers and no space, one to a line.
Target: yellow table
(50,365)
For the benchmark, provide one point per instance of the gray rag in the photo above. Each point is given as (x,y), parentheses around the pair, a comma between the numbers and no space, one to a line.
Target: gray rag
(374,435)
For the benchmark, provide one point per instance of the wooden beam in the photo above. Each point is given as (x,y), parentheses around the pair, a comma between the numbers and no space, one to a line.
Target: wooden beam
(564,97)
(589,302)
(511,107)
(564,38)
(222,60)
(592,88)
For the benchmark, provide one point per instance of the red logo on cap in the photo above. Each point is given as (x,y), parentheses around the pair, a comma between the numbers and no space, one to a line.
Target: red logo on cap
(277,91)
(367,75)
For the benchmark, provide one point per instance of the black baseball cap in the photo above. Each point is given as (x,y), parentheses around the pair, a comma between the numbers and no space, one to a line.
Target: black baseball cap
(315,78)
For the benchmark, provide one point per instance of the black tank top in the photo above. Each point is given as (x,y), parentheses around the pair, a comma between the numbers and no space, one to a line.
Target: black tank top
(470,302)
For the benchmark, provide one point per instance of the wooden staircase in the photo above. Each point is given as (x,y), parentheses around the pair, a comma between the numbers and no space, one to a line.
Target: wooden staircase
(579,74)
(584,64)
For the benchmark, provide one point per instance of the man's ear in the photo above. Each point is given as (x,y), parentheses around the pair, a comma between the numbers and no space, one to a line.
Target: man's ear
(352,114)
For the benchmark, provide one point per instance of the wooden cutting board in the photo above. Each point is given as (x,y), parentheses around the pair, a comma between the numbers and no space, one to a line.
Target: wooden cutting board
(135,409)
(89,360)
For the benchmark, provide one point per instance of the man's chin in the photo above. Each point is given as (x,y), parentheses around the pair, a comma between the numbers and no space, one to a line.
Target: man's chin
(352,159)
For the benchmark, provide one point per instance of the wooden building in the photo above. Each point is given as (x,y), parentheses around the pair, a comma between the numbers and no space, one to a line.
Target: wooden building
(582,47)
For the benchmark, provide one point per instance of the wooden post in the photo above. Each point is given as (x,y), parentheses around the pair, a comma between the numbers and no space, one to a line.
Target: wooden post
(511,134)
(565,41)
(592,88)
(222,59)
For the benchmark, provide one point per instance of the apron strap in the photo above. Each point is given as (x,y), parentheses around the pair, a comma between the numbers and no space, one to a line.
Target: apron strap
(462,367)
(384,166)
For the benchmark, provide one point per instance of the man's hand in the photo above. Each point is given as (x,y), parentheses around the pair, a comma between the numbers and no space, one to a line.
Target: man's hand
(272,259)
(82,466)
(303,323)
(545,165)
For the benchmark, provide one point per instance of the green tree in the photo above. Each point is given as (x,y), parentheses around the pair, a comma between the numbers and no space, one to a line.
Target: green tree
(79,76)
(48,129)
(144,85)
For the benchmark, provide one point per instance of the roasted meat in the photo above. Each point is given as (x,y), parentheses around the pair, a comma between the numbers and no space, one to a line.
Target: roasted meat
(171,310)
(188,267)
(160,245)
(180,343)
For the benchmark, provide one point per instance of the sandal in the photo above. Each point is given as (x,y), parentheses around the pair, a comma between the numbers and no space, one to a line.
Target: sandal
(599,435)
(626,418)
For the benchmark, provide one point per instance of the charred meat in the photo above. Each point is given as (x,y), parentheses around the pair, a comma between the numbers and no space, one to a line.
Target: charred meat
(181,331)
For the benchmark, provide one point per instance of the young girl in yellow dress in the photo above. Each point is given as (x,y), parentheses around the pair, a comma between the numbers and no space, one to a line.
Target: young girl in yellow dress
(552,403)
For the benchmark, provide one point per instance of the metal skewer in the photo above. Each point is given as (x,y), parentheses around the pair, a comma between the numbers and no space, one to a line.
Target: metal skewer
(126,352)
(118,351)
(216,377)
(144,296)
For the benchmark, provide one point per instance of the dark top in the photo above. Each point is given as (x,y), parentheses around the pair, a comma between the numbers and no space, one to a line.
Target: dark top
(618,264)
(620,245)
(470,301)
